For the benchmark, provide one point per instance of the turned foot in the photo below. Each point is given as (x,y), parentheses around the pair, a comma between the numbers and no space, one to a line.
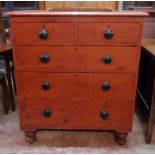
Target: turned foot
(30,136)
(121,138)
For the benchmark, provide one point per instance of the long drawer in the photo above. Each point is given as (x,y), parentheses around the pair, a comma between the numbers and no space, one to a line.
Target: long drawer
(80,113)
(77,59)
(75,85)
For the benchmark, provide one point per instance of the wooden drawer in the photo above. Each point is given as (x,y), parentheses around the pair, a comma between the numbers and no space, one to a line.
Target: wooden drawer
(77,59)
(80,113)
(75,85)
(58,33)
(123,33)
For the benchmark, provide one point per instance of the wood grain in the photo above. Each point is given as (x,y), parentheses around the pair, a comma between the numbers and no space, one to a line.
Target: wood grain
(63,33)
(79,113)
(41,5)
(76,72)
(36,13)
(77,59)
(83,5)
(76,19)
(75,85)
(123,33)
(58,33)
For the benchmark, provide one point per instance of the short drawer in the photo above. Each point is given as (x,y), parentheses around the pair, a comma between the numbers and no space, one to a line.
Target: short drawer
(77,59)
(43,33)
(109,33)
(80,113)
(75,85)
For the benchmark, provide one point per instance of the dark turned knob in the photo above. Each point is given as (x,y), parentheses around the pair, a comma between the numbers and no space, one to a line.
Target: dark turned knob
(45,85)
(107,59)
(108,34)
(43,34)
(105,86)
(47,113)
(44,58)
(104,115)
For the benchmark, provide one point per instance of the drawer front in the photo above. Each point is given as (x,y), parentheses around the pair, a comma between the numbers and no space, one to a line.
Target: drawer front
(43,33)
(65,113)
(109,33)
(75,85)
(77,59)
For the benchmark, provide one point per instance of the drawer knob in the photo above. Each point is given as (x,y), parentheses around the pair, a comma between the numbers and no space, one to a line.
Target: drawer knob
(108,34)
(104,115)
(44,58)
(105,86)
(47,113)
(107,59)
(43,34)
(45,85)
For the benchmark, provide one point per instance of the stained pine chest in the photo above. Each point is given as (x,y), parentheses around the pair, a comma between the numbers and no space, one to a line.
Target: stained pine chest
(76,70)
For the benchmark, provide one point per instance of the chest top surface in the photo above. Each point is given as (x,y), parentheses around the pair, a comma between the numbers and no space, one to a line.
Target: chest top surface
(78,13)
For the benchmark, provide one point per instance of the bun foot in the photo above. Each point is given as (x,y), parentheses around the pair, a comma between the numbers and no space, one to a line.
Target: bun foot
(121,138)
(30,136)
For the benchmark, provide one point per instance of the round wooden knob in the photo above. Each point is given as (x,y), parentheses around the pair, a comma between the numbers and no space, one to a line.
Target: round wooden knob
(104,115)
(43,34)
(44,58)
(47,113)
(105,86)
(45,85)
(107,59)
(108,34)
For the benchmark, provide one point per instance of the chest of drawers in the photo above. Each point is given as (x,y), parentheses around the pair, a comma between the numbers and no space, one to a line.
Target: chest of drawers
(76,70)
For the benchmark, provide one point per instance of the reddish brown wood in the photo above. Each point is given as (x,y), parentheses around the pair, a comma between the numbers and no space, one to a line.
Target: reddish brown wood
(76,113)
(88,33)
(121,138)
(30,136)
(76,70)
(75,85)
(123,33)
(77,59)
(58,33)
(75,19)
(77,13)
